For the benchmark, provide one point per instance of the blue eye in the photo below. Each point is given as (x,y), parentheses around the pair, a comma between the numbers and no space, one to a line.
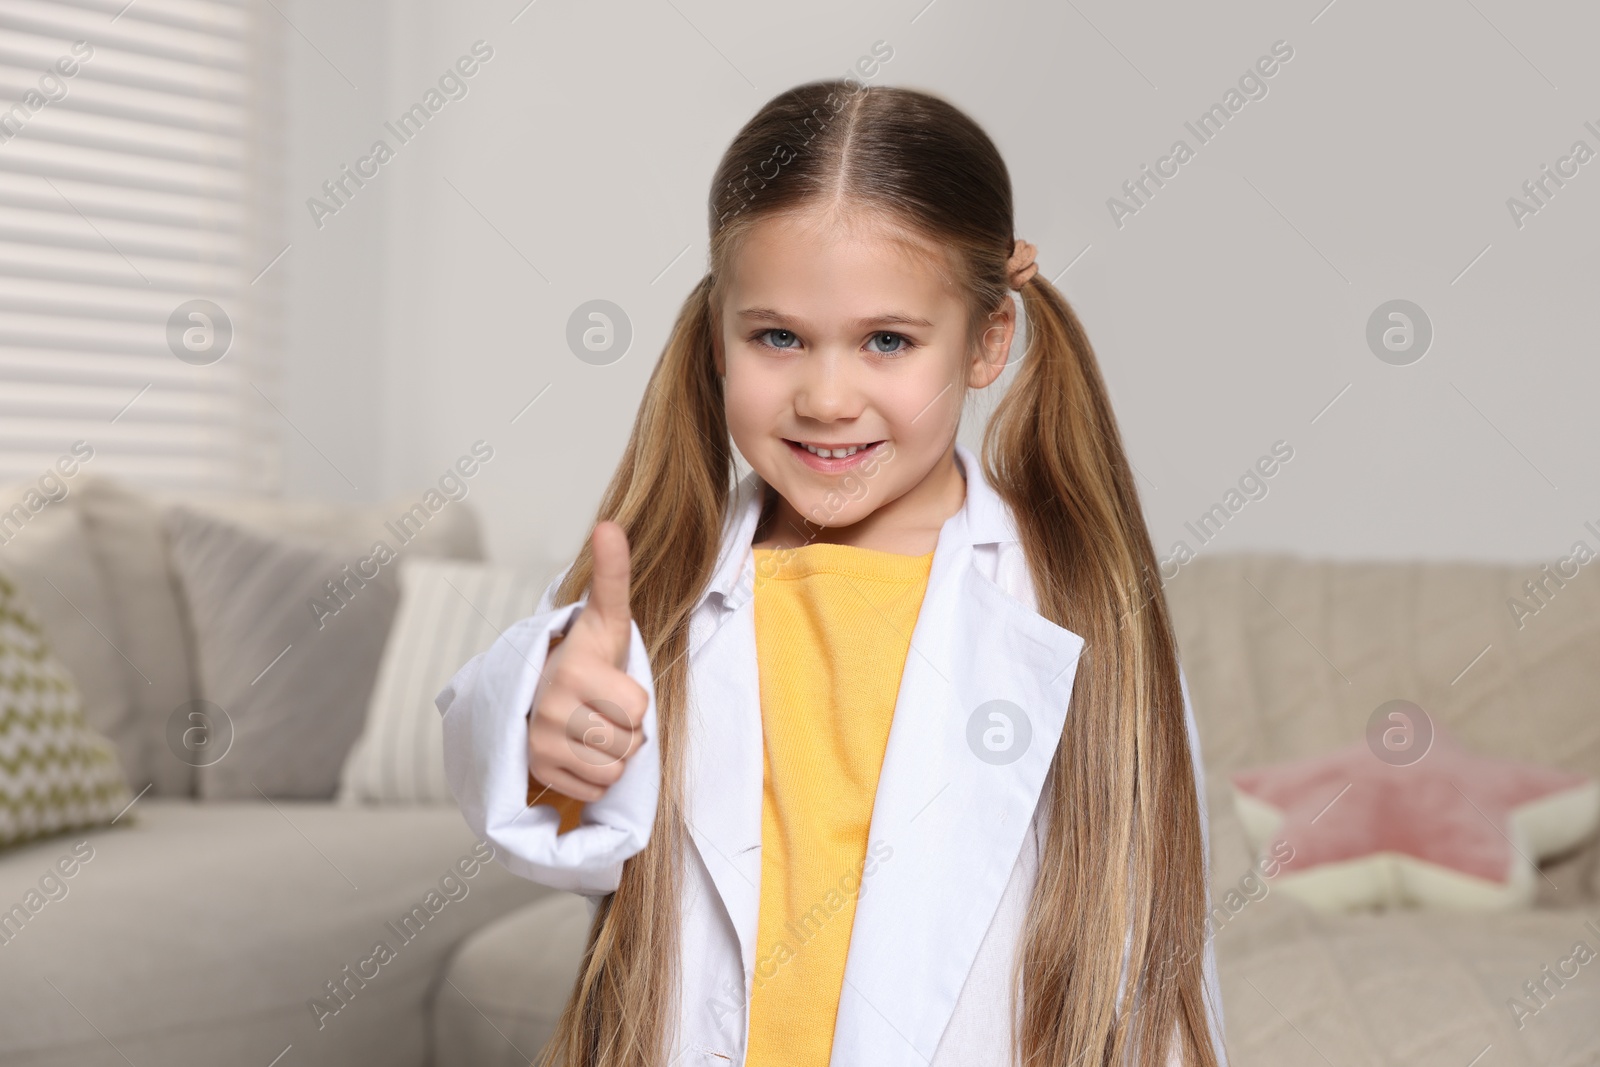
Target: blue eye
(781,347)
(904,343)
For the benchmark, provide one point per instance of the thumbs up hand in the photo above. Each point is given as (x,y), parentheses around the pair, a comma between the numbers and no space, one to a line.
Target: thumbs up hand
(587,714)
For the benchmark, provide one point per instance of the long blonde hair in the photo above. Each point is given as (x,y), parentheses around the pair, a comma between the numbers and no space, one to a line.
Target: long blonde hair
(1123,849)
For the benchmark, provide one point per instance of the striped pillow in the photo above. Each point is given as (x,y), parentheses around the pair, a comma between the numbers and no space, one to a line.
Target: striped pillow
(449,612)
(56,774)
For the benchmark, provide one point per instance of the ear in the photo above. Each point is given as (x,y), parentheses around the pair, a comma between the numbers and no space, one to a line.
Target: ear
(994,347)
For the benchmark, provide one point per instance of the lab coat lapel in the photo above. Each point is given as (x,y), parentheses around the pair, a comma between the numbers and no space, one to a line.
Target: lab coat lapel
(725,758)
(981,706)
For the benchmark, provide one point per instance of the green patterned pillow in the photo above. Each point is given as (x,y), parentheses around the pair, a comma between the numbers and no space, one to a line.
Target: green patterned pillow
(56,774)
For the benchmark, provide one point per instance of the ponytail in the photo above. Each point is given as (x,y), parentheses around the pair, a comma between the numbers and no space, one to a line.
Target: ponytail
(1123,846)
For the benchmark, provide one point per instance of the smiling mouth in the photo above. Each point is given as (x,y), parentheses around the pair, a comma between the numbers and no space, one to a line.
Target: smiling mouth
(833,451)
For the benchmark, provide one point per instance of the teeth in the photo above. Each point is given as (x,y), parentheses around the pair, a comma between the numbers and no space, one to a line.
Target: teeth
(837,453)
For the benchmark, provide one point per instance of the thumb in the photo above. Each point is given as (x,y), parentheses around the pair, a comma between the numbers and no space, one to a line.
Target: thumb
(608,589)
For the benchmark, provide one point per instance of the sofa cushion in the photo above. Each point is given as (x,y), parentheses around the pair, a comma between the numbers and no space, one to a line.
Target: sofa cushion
(1289,658)
(51,561)
(507,985)
(287,638)
(56,774)
(126,536)
(1408,987)
(450,610)
(205,934)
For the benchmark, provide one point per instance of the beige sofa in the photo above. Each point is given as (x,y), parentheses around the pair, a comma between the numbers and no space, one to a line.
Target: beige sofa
(198,932)
(1289,657)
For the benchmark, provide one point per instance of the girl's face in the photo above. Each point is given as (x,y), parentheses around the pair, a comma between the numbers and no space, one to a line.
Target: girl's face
(835,334)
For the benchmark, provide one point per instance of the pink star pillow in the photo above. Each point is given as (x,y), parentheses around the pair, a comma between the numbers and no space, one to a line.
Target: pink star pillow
(1450,830)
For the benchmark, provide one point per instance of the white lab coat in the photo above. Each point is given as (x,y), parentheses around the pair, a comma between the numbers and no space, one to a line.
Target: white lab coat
(926,978)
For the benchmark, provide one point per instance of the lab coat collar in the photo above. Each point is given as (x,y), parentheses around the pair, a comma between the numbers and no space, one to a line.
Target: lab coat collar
(982,701)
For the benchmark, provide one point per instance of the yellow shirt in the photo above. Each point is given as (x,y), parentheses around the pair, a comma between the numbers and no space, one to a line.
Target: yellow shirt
(833,629)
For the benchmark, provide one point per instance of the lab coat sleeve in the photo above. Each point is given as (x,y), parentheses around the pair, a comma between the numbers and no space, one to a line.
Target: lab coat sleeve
(485,708)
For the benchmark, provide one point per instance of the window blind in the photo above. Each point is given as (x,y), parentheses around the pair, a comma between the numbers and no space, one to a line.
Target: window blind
(137,172)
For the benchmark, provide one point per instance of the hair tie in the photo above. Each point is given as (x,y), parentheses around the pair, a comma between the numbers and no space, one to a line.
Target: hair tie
(1021,268)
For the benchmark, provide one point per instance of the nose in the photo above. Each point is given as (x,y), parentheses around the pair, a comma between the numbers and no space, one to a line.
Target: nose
(826,389)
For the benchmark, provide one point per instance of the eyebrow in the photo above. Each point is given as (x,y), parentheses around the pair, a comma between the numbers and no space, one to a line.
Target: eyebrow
(893,318)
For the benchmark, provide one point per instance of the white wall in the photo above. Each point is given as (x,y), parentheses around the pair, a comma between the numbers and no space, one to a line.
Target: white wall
(337,338)
(1227,313)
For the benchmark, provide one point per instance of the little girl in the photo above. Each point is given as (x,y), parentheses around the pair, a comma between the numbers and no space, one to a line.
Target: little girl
(882,755)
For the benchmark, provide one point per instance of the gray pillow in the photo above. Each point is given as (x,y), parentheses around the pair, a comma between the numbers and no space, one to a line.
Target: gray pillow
(288,633)
(126,530)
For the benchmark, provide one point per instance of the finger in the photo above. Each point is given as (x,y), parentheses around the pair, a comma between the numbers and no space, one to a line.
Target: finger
(569,785)
(552,751)
(596,738)
(600,721)
(608,590)
(585,758)
(612,693)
